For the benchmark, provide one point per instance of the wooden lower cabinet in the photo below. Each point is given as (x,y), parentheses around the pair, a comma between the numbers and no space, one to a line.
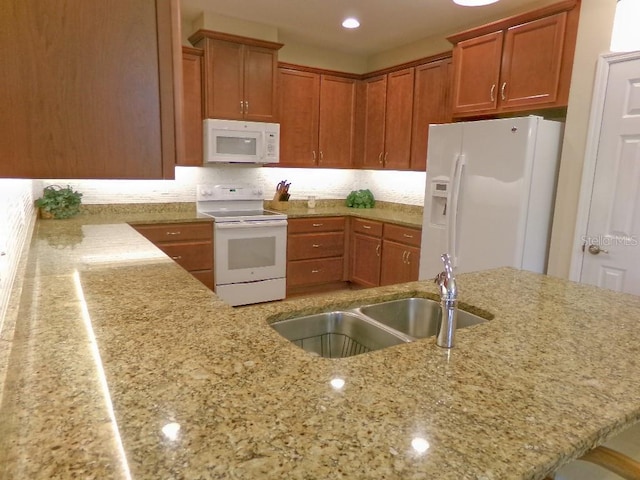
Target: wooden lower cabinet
(190,245)
(366,247)
(315,254)
(400,254)
(384,253)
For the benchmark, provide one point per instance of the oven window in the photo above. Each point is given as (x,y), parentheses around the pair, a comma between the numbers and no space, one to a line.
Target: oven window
(252,252)
(236,145)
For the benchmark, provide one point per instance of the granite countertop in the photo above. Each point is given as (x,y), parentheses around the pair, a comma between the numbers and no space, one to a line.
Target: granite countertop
(125,366)
(407,215)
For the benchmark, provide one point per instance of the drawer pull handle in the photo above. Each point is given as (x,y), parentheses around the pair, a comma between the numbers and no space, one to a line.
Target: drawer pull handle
(316,271)
(316,245)
(174,233)
(177,257)
(406,235)
(368,227)
(317,224)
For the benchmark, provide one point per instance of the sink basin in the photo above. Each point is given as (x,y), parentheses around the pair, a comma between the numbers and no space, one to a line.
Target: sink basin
(417,317)
(336,334)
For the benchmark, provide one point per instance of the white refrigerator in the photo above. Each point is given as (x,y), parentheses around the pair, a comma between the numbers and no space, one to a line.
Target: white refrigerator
(490,193)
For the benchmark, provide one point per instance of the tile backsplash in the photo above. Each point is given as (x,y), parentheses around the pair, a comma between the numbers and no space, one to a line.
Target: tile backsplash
(388,186)
(16,218)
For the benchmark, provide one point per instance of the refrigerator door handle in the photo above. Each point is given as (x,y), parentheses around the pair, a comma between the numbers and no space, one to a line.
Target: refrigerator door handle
(452,202)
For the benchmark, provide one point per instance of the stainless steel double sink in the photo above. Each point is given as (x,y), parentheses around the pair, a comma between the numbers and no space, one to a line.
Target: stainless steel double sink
(343,333)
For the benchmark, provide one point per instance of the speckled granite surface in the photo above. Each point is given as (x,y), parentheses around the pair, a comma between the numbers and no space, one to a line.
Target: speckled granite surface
(407,215)
(114,341)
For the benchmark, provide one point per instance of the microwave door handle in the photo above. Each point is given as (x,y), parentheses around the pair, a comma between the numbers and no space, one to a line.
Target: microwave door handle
(263,149)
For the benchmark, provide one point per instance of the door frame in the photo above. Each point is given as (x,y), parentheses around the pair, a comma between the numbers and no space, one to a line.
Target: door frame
(605,61)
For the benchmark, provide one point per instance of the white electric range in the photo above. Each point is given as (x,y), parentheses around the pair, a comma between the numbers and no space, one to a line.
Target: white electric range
(250,243)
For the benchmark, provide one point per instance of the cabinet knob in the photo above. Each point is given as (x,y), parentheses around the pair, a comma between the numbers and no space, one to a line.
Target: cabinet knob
(367,227)
(316,271)
(406,235)
(316,245)
(493,91)
(378,250)
(174,233)
(177,257)
(317,224)
(504,85)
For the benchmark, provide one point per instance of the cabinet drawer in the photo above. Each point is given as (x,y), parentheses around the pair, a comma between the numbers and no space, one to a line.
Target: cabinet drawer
(190,255)
(315,245)
(409,236)
(317,224)
(368,227)
(311,272)
(172,232)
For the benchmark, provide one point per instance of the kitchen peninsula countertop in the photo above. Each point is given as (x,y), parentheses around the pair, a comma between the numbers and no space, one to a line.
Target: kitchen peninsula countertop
(115,346)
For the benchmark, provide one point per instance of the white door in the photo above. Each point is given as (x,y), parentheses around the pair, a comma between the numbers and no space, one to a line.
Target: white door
(610,253)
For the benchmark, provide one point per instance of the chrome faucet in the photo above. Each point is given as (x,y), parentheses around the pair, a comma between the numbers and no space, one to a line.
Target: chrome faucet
(448,303)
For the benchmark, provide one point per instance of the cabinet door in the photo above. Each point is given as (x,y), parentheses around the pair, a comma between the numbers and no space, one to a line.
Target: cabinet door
(365,260)
(412,264)
(431,104)
(375,93)
(476,65)
(531,62)
(392,264)
(192,107)
(260,73)
(400,263)
(337,121)
(80,99)
(299,106)
(398,116)
(224,65)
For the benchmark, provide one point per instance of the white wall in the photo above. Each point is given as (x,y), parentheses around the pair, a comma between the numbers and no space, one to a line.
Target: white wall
(16,215)
(390,186)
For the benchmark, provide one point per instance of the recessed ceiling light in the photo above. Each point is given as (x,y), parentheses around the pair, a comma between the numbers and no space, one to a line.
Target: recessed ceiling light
(350,23)
(474,3)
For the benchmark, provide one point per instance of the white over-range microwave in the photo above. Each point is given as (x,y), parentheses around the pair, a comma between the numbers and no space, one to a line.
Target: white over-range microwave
(237,141)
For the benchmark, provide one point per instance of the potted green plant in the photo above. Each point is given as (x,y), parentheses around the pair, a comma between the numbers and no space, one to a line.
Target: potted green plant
(59,202)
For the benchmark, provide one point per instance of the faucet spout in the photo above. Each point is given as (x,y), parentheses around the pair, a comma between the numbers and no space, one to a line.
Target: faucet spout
(448,303)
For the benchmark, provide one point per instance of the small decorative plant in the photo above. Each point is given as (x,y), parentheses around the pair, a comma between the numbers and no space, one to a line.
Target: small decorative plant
(59,202)
(360,199)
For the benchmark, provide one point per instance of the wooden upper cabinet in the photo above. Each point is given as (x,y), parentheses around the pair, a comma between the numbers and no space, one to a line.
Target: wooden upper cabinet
(431,104)
(388,111)
(192,106)
(398,117)
(299,111)
(476,63)
(337,121)
(530,75)
(374,92)
(80,99)
(240,76)
(516,64)
(317,119)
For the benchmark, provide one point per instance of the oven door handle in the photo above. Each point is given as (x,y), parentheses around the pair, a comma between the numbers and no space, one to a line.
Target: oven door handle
(258,224)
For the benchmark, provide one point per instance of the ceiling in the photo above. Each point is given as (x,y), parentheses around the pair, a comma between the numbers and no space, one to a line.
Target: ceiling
(385,24)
